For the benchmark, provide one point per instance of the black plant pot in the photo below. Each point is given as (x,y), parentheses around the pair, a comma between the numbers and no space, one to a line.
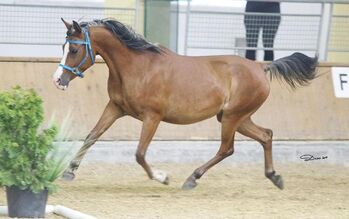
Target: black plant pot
(25,203)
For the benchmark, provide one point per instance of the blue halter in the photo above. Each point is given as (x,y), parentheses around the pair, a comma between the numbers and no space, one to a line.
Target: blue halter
(88,50)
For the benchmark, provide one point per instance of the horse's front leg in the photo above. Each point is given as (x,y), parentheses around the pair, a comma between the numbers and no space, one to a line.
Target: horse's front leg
(150,124)
(110,114)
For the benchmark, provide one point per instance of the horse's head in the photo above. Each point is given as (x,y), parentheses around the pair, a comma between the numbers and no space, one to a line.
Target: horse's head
(78,55)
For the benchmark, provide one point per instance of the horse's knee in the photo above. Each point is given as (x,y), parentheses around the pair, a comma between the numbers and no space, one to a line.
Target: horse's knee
(270,133)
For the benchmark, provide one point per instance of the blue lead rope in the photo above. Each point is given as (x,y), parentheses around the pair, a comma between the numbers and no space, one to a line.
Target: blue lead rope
(88,50)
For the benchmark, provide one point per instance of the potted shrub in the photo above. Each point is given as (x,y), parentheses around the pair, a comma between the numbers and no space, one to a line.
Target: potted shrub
(28,161)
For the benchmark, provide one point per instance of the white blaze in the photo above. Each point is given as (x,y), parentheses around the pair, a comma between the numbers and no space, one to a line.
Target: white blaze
(59,71)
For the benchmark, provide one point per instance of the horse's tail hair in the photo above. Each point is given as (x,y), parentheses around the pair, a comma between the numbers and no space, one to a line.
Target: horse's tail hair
(296,69)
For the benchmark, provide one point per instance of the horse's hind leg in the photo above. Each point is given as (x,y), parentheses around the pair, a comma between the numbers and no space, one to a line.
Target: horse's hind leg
(229,126)
(263,136)
(150,124)
(110,114)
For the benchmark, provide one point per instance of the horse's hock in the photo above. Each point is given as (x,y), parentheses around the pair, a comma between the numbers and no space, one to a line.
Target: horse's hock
(309,113)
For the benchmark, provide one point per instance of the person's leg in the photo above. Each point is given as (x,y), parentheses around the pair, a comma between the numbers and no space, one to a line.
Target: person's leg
(270,27)
(252,32)
(269,32)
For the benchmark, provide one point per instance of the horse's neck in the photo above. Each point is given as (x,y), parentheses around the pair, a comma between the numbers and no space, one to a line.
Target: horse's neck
(122,62)
(114,54)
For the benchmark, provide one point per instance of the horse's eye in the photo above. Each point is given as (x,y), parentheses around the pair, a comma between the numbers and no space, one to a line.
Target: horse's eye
(74,51)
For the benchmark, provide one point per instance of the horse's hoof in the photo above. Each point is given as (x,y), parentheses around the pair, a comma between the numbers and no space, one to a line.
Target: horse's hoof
(189,184)
(68,176)
(276,180)
(166,181)
(161,177)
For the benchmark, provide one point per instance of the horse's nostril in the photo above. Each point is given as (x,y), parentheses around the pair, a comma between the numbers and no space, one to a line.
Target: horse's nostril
(57,81)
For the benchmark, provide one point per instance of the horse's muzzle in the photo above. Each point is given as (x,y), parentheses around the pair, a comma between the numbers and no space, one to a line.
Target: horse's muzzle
(60,84)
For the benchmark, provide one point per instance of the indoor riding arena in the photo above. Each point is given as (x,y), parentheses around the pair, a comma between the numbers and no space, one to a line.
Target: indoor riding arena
(182,109)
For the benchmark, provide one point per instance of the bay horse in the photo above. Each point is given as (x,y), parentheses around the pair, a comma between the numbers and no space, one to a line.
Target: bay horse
(153,84)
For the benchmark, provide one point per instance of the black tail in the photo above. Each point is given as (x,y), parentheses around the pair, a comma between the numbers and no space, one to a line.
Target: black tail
(296,69)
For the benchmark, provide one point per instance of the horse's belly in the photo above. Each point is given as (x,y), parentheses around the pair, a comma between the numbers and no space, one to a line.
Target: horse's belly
(185,119)
(193,103)
(191,113)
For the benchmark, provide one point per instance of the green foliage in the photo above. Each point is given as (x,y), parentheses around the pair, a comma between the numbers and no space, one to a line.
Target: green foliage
(23,149)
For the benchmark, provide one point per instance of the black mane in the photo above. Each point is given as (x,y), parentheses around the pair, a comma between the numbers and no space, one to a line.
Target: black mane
(125,34)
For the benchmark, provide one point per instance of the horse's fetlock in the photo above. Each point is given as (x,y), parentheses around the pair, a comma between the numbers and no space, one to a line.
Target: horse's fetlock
(139,157)
(269,175)
(230,151)
(74,165)
(198,173)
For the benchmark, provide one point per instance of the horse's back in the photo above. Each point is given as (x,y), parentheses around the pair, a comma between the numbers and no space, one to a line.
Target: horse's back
(233,72)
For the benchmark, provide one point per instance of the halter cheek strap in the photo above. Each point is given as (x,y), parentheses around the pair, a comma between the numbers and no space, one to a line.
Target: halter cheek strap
(88,52)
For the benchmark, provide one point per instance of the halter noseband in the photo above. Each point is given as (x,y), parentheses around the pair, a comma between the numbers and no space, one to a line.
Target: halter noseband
(88,50)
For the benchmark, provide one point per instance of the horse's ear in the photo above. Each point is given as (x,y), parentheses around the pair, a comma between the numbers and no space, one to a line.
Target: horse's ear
(67,24)
(77,27)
